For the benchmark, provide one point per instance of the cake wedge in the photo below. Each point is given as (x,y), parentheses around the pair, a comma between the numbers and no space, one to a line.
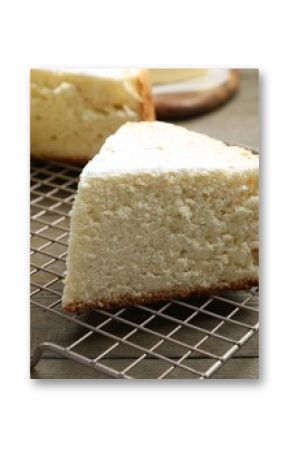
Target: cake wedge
(162,212)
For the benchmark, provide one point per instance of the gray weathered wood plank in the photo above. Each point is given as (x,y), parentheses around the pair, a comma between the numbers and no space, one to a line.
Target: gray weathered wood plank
(49,327)
(242,368)
(237,121)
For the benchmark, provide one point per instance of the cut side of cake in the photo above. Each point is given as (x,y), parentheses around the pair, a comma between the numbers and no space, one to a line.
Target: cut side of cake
(162,212)
(73,112)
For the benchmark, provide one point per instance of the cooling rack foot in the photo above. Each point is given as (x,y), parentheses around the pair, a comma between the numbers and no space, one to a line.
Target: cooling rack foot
(46,346)
(97,366)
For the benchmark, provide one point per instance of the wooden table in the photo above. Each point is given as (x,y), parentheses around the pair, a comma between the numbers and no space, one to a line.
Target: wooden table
(236,122)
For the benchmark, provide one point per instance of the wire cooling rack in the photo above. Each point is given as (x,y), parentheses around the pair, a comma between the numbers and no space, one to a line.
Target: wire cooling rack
(177,339)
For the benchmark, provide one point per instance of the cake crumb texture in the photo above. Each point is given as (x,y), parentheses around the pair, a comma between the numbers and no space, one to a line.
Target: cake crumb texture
(179,218)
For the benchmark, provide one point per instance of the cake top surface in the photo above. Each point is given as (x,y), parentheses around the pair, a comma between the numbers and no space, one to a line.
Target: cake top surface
(113,73)
(158,147)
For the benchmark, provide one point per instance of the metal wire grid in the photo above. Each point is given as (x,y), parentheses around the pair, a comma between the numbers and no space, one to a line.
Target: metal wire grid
(182,338)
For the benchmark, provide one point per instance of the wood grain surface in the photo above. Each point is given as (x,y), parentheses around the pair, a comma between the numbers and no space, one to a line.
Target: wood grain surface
(176,106)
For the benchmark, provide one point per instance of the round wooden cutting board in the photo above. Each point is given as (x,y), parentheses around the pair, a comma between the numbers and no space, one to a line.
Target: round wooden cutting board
(188,99)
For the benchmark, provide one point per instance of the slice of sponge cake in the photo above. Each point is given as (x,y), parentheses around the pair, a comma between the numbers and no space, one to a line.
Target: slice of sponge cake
(73,113)
(162,212)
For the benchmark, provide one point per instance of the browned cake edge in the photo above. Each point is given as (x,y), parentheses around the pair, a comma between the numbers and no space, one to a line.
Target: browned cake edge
(163,295)
(147,110)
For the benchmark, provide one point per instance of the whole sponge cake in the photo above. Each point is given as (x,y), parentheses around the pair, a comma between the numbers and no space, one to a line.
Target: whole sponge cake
(73,113)
(162,212)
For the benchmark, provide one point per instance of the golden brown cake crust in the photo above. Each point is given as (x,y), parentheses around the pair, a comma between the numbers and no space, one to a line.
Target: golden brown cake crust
(128,300)
(147,110)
